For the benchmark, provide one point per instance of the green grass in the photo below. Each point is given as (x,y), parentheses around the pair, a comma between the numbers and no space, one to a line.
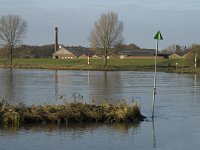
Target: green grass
(95,64)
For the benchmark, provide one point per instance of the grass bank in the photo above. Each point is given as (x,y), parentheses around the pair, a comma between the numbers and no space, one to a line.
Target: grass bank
(97,64)
(68,113)
(190,70)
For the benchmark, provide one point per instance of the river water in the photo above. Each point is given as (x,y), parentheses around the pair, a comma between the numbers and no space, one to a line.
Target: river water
(177,109)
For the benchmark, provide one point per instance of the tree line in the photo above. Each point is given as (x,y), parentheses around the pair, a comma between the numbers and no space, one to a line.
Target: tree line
(28,51)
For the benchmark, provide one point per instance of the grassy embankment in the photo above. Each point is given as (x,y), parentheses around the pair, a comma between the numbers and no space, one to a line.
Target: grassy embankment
(69,113)
(168,65)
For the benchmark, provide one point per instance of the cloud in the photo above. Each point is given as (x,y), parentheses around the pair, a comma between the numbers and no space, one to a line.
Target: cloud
(103,4)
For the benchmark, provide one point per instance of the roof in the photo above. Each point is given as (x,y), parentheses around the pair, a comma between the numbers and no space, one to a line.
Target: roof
(181,53)
(78,51)
(137,52)
(62,51)
(74,50)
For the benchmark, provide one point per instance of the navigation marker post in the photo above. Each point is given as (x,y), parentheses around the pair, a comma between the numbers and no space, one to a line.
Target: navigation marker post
(195,60)
(157,37)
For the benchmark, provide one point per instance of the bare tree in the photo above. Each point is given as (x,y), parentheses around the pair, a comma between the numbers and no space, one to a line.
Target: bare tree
(194,52)
(12,32)
(107,34)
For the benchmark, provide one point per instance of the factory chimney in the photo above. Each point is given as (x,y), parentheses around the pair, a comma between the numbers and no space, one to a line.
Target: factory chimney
(56,39)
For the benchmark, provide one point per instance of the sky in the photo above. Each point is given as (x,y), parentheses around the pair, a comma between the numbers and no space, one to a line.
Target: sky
(177,20)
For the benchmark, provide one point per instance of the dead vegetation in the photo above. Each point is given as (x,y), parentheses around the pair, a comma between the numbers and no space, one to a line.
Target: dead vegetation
(69,112)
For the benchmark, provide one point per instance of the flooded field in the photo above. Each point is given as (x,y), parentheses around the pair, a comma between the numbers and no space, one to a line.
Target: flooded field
(175,126)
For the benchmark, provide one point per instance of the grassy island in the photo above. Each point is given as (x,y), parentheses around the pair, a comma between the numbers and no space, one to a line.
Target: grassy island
(69,113)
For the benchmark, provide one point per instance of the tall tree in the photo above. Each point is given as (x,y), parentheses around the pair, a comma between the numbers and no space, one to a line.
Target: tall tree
(107,34)
(12,32)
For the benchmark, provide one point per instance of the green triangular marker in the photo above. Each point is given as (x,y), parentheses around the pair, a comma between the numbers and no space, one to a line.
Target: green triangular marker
(158,36)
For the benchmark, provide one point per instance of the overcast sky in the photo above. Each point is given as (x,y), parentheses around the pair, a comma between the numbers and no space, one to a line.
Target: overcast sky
(178,20)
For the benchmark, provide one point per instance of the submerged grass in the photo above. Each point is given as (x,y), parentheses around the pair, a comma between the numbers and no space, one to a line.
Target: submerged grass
(69,113)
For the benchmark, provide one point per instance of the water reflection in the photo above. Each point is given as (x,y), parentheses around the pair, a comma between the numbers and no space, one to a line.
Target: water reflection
(11,130)
(92,87)
(27,86)
(8,86)
(56,85)
(46,86)
(195,80)
(195,83)
(76,137)
(106,86)
(176,124)
(74,129)
(154,134)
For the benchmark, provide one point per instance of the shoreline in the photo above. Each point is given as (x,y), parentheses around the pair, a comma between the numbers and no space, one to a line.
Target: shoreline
(95,64)
(163,65)
(185,70)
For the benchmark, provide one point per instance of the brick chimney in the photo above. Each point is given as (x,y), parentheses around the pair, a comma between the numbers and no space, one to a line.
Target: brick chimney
(56,39)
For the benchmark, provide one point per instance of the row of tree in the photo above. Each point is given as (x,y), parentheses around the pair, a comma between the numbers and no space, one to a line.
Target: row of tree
(28,51)
(175,48)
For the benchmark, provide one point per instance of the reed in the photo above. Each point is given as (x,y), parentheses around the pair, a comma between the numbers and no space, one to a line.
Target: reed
(69,113)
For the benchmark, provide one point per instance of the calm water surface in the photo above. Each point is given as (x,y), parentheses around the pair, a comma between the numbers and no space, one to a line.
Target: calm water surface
(177,111)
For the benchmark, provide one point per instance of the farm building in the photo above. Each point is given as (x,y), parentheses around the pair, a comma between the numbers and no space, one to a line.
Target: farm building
(175,56)
(138,53)
(72,53)
(63,53)
(186,54)
(181,55)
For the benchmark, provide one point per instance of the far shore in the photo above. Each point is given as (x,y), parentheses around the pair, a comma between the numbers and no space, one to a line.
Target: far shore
(163,65)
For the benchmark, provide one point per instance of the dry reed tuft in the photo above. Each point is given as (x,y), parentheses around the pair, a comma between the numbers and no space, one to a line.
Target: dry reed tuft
(10,118)
(70,112)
